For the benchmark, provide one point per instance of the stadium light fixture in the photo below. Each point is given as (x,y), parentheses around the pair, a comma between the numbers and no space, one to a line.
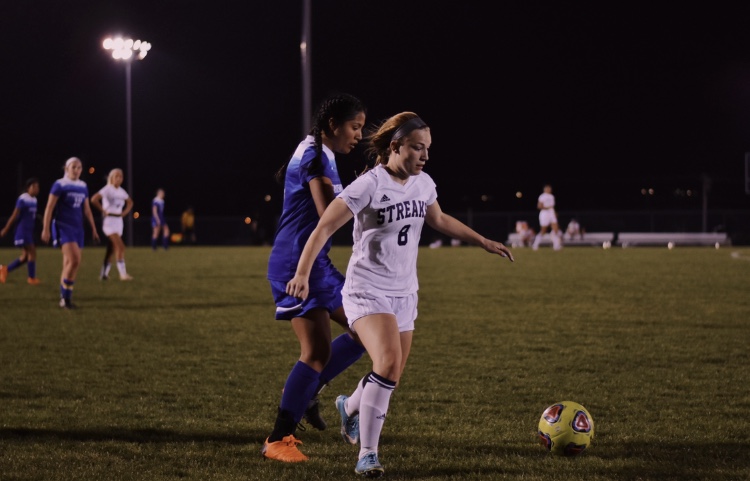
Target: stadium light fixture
(126,49)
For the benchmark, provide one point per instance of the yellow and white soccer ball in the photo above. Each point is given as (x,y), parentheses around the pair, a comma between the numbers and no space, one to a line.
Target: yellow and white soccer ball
(566,428)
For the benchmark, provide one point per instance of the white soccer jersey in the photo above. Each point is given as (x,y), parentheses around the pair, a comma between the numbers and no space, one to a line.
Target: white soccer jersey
(113,199)
(388,221)
(547,200)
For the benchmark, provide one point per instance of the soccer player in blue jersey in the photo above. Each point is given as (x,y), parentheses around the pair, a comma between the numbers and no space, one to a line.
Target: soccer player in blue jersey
(159,227)
(25,214)
(390,204)
(67,205)
(311,181)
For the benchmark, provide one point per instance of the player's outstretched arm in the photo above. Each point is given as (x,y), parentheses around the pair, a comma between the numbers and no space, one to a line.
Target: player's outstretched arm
(454,228)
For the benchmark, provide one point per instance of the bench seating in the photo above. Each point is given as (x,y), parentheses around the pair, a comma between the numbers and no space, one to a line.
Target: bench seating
(589,239)
(626,239)
(632,239)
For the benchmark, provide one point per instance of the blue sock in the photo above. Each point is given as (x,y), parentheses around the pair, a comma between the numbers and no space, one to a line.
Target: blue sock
(66,289)
(153,243)
(165,241)
(32,269)
(345,351)
(299,389)
(14,264)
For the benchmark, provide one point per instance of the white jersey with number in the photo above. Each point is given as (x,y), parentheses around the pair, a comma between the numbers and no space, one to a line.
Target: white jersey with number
(113,199)
(388,221)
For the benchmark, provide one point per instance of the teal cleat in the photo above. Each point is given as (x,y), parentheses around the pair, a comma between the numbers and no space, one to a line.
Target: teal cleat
(349,424)
(368,466)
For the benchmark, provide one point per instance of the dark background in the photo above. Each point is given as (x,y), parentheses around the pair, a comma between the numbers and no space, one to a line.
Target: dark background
(601,99)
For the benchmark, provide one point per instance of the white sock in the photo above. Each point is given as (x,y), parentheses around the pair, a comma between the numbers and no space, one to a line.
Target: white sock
(376,396)
(352,403)
(121,268)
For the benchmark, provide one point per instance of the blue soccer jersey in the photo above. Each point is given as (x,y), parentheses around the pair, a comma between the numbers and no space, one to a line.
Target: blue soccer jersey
(26,205)
(71,196)
(159,204)
(300,216)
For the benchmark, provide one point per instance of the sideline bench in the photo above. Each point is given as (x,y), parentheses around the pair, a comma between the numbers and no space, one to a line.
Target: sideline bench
(626,239)
(589,239)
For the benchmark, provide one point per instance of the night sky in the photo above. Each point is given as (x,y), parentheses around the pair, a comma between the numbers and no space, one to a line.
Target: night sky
(600,99)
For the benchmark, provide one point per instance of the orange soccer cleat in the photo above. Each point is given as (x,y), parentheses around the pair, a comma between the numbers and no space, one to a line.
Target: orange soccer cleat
(284,450)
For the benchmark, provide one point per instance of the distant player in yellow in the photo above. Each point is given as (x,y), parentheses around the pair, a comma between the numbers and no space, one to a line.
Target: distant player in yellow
(188,226)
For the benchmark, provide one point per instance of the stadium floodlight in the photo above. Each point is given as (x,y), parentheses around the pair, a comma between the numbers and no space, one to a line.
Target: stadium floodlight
(125,49)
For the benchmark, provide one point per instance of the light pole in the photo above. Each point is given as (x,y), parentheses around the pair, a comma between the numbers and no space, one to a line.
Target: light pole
(305,49)
(124,49)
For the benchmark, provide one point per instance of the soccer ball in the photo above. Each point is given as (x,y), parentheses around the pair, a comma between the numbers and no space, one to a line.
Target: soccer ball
(566,428)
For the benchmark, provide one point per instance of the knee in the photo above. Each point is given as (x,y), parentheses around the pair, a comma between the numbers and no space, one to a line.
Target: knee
(389,366)
(316,357)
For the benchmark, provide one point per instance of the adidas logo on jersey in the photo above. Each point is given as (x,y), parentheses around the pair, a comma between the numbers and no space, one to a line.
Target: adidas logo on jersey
(385,198)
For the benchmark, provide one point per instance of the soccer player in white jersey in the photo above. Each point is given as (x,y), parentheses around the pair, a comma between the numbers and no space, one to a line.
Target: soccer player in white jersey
(547,218)
(114,203)
(67,205)
(390,204)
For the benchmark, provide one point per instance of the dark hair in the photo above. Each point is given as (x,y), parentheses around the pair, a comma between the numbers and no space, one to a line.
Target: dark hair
(29,182)
(336,109)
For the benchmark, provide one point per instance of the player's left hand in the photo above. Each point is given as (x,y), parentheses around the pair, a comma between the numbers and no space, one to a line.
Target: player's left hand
(494,247)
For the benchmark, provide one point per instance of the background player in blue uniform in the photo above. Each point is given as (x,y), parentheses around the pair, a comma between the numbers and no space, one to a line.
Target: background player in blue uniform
(311,181)
(159,226)
(25,213)
(67,205)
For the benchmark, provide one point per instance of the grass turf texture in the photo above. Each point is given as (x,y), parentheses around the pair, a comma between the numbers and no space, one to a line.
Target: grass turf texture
(177,374)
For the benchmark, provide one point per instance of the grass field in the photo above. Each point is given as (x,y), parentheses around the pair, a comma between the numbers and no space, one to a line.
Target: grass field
(177,375)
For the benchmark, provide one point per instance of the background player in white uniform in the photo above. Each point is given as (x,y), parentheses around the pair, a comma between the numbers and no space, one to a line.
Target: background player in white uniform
(25,214)
(114,203)
(574,230)
(67,205)
(390,204)
(547,219)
